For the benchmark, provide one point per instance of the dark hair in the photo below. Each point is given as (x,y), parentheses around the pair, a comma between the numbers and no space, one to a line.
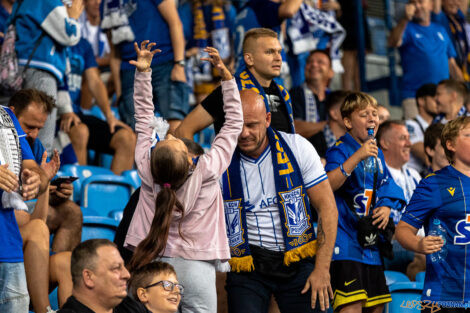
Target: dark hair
(143,276)
(431,135)
(23,98)
(84,257)
(335,98)
(324,52)
(456,86)
(426,90)
(385,127)
(193,147)
(167,167)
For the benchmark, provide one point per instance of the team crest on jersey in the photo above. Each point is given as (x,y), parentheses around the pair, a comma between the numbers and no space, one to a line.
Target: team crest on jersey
(462,228)
(233,222)
(295,211)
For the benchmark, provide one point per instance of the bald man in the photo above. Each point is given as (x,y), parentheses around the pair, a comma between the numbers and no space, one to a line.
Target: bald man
(267,189)
(262,55)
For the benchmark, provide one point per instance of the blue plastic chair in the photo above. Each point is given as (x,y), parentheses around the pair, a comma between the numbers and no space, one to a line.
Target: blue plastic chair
(406,297)
(133,176)
(420,277)
(106,193)
(392,277)
(53,299)
(82,172)
(105,160)
(116,215)
(95,227)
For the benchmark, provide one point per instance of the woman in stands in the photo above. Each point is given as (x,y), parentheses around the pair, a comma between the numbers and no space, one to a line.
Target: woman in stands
(180,215)
(357,274)
(156,286)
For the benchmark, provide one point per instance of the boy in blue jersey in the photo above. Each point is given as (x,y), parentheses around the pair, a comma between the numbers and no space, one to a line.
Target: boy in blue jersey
(444,196)
(357,272)
(427,53)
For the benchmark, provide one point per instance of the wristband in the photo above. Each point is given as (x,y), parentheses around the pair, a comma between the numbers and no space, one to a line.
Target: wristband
(343,171)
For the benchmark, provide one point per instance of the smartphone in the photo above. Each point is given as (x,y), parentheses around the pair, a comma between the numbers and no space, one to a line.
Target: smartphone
(63,180)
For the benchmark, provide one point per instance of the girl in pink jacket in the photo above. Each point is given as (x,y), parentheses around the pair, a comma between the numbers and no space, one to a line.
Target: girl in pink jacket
(180,214)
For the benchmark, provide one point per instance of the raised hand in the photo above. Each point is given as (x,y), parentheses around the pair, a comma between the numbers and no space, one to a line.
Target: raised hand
(217,62)
(8,180)
(144,55)
(52,167)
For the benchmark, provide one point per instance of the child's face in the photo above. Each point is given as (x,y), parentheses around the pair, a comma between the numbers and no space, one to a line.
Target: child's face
(461,145)
(159,299)
(360,121)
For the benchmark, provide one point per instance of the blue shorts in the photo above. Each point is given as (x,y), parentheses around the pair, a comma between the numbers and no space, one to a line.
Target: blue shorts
(14,297)
(170,98)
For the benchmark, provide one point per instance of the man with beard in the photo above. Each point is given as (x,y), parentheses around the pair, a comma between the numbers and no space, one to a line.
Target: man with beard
(426,52)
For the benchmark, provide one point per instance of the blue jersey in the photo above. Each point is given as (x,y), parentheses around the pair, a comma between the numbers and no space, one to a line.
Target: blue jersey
(445,195)
(10,238)
(424,52)
(358,188)
(81,58)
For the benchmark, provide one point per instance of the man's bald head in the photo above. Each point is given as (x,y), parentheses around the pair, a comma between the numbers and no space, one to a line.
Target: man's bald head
(252,140)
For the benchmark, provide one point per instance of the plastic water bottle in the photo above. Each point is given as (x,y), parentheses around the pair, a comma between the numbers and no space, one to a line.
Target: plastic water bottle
(370,165)
(438,230)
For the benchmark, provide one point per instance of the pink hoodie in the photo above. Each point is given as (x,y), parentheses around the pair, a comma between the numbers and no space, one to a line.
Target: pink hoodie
(203,226)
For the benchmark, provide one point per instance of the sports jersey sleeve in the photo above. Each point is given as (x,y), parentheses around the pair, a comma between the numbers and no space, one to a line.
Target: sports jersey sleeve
(26,152)
(88,55)
(309,162)
(424,201)
(334,158)
(267,12)
(389,194)
(157,2)
(416,135)
(56,22)
(406,37)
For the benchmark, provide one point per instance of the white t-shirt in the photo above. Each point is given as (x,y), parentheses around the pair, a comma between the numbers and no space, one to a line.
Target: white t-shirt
(407,178)
(416,128)
(259,190)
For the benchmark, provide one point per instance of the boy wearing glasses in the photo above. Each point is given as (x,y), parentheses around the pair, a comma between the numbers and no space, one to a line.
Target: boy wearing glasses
(156,286)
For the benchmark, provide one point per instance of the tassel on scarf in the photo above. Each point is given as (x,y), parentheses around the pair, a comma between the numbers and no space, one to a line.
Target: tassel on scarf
(302,252)
(243,264)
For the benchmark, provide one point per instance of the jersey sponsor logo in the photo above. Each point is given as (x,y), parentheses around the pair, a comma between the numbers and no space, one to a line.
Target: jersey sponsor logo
(264,203)
(295,211)
(362,202)
(347,283)
(451,190)
(462,228)
(233,222)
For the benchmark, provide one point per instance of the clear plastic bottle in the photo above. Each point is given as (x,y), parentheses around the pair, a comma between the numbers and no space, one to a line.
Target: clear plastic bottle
(438,230)
(370,164)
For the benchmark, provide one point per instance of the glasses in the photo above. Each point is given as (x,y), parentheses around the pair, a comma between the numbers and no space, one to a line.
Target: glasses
(167,285)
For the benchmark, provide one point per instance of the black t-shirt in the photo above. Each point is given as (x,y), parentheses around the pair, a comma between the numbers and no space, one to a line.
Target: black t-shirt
(298,104)
(214,105)
(128,305)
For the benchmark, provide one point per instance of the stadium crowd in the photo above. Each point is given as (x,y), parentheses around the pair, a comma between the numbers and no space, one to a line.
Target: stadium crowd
(250,185)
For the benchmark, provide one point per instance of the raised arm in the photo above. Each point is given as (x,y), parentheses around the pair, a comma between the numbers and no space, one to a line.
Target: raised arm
(396,35)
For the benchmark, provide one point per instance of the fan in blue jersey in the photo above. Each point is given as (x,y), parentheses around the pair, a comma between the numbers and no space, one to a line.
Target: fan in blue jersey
(356,271)
(441,203)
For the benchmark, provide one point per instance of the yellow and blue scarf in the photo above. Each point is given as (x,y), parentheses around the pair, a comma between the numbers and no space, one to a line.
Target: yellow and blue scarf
(246,80)
(293,204)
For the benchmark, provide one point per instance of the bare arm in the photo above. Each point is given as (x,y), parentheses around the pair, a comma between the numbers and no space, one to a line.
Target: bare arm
(436,7)
(169,13)
(195,121)
(454,70)
(308,129)
(321,197)
(98,90)
(115,65)
(41,208)
(288,8)
(396,35)
(406,236)
(31,183)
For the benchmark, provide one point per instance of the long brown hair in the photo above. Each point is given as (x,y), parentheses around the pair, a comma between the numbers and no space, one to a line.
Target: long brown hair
(169,170)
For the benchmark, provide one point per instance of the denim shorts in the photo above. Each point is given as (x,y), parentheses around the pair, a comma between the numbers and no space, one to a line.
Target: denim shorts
(14,297)
(170,98)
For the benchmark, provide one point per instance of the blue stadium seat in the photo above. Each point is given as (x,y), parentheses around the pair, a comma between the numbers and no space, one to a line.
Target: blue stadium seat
(406,297)
(105,193)
(116,215)
(53,299)
(82,172)
(133,176)
(393,277)
(105,160)
(420,276)
(99,227)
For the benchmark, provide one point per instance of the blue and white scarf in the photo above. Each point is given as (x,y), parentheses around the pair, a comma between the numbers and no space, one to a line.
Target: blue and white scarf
(116,17)
(246,80)
(441,118)
(293,204)
(312,29)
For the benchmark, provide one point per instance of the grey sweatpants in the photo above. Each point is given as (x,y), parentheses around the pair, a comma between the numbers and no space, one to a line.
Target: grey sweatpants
(198,280)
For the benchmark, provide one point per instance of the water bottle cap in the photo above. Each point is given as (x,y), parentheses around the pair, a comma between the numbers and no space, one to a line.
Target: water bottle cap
(437,222)
(370,131)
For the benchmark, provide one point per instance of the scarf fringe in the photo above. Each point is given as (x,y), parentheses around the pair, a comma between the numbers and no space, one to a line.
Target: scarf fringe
(302,252)
(243,264)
